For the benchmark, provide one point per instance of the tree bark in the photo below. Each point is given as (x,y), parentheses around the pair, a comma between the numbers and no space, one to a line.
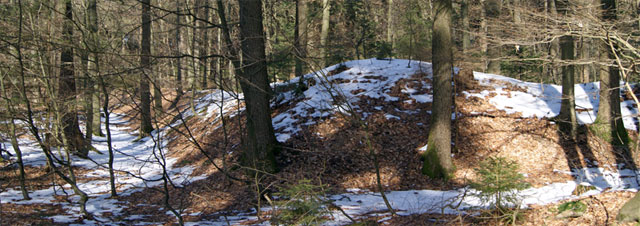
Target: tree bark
(204,42)
(93,66)
(390,23)
(145,52)
(87,95)
(300,37)
(568,123)
(177,50)
(12,124)
(437,159)
(260,145)
(493,10)
(517,5)
(464,14)
(67,90)
(324,33)
(608,124)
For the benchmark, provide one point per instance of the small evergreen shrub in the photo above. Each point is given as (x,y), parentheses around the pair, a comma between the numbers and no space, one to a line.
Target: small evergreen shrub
(499,182)
(300,204)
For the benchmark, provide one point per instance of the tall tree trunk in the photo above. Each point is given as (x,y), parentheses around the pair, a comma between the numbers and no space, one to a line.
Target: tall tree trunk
(177,50)
(219,61)
(12,126)
(517,6)
(157,85)
(300,37)
(464,14)
(87,95)
(568,123)
(145,52)
(493,10)
(567,117)
(483,31)
(608,122)
(583,54)
(554,46)
(437,159)
(324,33)
(93,66)
(18,151)
(67,90)
(204,42)
(390,23)
(260,145)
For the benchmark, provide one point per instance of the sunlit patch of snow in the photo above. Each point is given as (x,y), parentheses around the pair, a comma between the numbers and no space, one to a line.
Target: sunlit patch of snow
(364,78)
(544,100)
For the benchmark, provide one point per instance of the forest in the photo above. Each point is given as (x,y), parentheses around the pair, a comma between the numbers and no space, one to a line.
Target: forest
(319,112)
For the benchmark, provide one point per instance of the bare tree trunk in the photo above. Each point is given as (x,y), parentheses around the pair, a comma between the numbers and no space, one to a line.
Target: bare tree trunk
(568,123)
(464,14)
(324,33)
(300,37)
(177,50)
(204,43)
(220,62)
(67,90)
(390,23)
(554,46)
(437,159)
(145,95)
(517,5)
(608,124)
(67,29)
(93,68)
(12,125)
(493,10)
(260,145)
(87,95)
(583,54)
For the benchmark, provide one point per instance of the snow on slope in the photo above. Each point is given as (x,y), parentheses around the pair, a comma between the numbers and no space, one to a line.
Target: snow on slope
(137,157)
(543,100)
(372,78)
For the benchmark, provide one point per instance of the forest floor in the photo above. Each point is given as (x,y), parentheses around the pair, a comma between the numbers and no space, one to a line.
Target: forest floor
(328,133)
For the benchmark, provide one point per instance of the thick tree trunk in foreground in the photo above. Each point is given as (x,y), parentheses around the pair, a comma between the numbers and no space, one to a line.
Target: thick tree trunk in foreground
(260,145)
(74,140)
(145,51)
(437,158)
(608,124)
(93,67)
(568,123)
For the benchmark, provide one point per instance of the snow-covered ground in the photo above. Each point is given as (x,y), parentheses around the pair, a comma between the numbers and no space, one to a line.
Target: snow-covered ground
(140,158)
(370,78)
(543,100)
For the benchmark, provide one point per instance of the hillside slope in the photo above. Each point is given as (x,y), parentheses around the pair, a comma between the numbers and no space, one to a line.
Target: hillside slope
(328,132)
